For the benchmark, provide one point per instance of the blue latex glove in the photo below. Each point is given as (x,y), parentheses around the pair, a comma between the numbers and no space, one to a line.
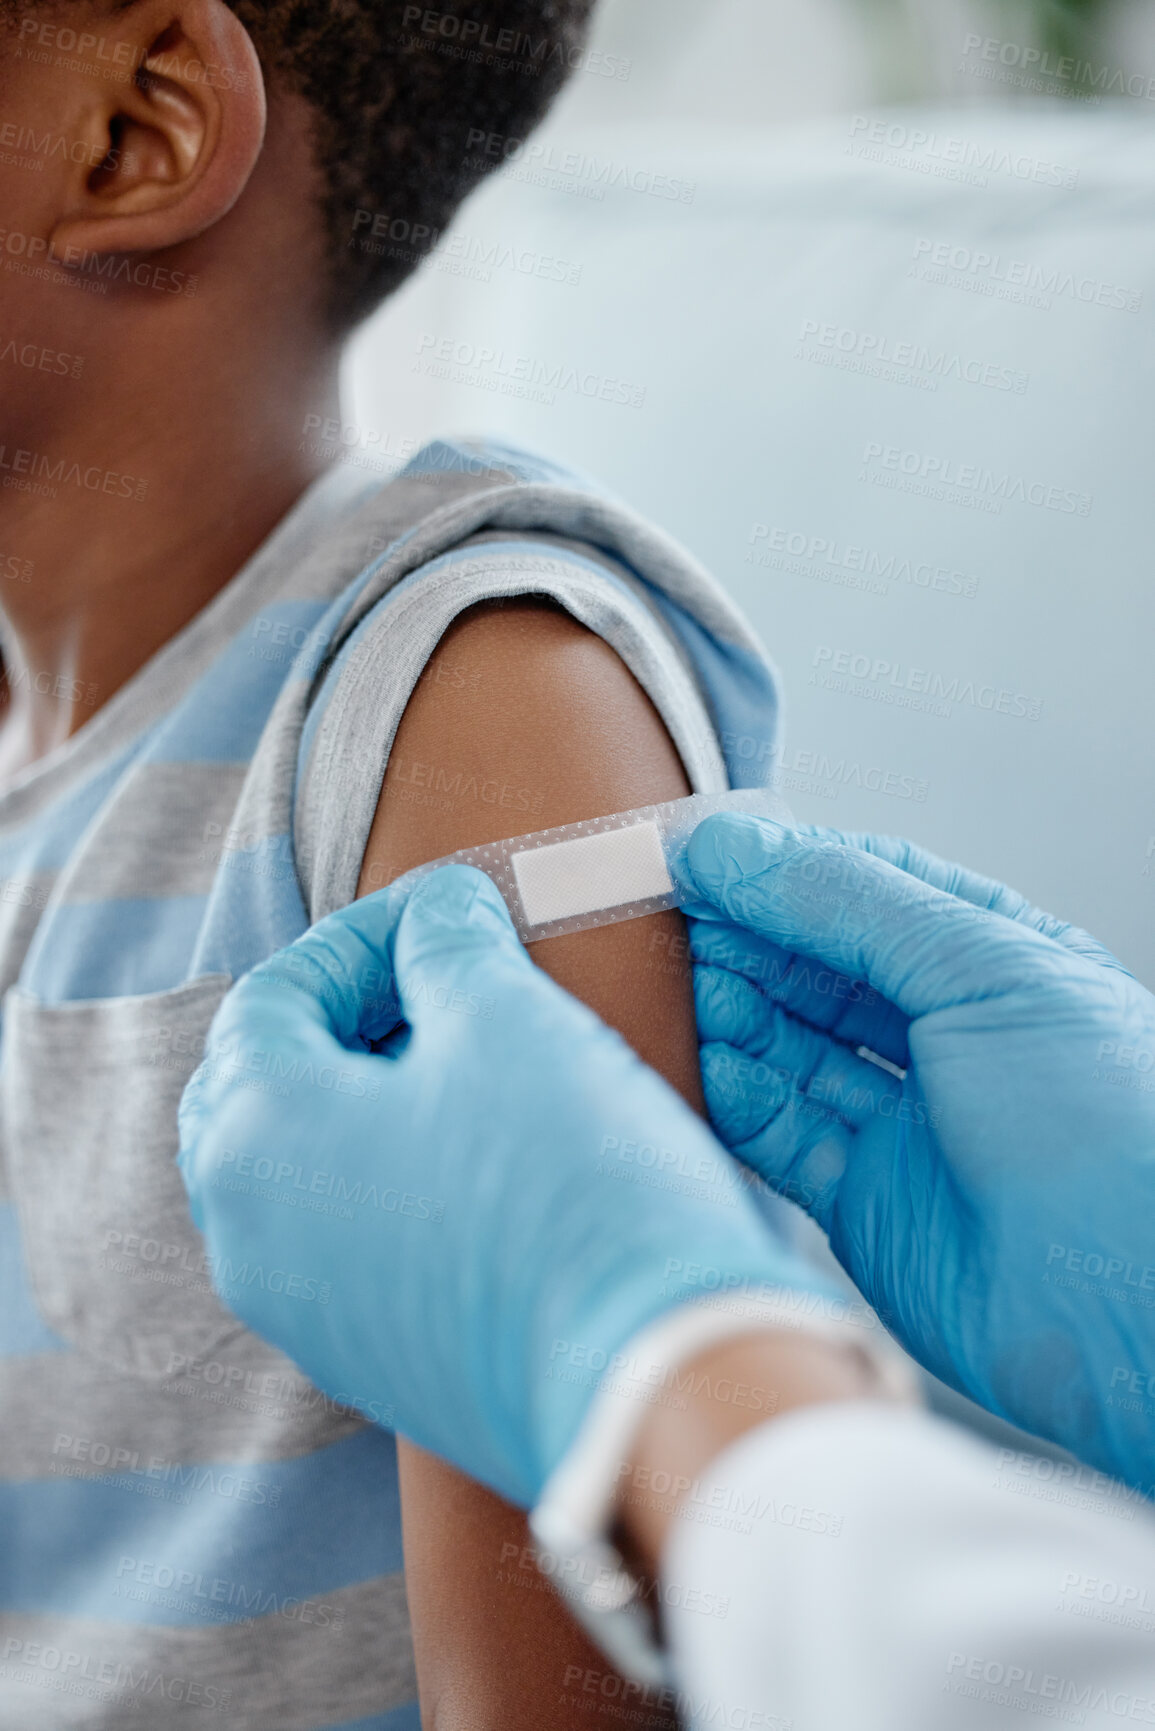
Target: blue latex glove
(997,1207)
(469,1201)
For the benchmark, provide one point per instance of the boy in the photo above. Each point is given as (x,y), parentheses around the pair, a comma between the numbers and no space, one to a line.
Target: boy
(224,714)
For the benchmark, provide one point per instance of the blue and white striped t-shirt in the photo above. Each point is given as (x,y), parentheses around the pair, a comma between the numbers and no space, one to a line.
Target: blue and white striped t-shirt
(191,1534)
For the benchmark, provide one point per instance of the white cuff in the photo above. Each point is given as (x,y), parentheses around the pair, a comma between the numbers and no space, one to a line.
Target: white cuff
(573,1516)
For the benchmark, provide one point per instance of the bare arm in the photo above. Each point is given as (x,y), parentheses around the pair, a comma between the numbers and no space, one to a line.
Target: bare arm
(544,725)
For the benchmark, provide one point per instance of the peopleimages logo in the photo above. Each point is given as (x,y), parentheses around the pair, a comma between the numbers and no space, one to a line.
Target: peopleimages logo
(471,39)
(527,376)
(926,151)
(819,555)
(93,269)
(40,146)
(884,681)
(572,170)
(1106,1592)
(16,569)
(34,357)
(1042,66)
(96,1677)
(944,477)
(36,471)
(998,275)
(878,355)
(1023,1687)
(1092,1262)
(418,243)
(236,1060)
(802,770)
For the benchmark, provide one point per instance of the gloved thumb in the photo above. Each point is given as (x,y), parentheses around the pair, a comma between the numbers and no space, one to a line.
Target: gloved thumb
(922,948)
(335,978)
(333,984)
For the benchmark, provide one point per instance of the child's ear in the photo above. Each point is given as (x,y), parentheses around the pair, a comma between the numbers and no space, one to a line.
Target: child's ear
(176,140)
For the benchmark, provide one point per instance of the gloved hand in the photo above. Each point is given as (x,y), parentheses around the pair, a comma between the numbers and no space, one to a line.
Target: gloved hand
(461,1196)
(996,1206)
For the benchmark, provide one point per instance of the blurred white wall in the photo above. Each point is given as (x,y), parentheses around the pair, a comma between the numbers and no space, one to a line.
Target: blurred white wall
(754,110)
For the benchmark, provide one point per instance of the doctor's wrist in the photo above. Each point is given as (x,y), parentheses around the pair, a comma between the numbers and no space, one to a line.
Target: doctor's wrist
(733,1386)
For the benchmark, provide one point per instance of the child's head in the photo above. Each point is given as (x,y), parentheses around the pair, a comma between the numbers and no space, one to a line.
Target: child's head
(306,147)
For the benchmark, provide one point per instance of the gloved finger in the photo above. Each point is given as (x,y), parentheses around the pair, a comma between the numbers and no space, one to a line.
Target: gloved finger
(798,1147)
(970,886)
(852,1010)
(333,985)
(336,984)
(776,1056)
(275,1043)
(191,1116)
(956,880)
(336,979)
(456,942)
(219,1119)
(920,947)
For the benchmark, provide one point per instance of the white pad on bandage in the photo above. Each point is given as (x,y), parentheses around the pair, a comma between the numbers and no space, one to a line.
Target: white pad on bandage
(591,873)
(601,871)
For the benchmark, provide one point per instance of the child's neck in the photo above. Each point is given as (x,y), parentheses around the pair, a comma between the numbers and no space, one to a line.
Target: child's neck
(97,577)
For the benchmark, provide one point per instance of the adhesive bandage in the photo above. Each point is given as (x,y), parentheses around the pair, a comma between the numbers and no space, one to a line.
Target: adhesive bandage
(602,871)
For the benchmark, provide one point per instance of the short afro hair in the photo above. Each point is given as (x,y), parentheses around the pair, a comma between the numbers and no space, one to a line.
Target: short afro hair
(396,89)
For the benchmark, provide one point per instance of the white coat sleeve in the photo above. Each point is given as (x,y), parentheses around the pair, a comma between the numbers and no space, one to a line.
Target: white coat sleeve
(870,1568)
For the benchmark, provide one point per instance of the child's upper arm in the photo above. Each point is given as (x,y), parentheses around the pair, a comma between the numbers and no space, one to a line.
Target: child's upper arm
(524,720)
